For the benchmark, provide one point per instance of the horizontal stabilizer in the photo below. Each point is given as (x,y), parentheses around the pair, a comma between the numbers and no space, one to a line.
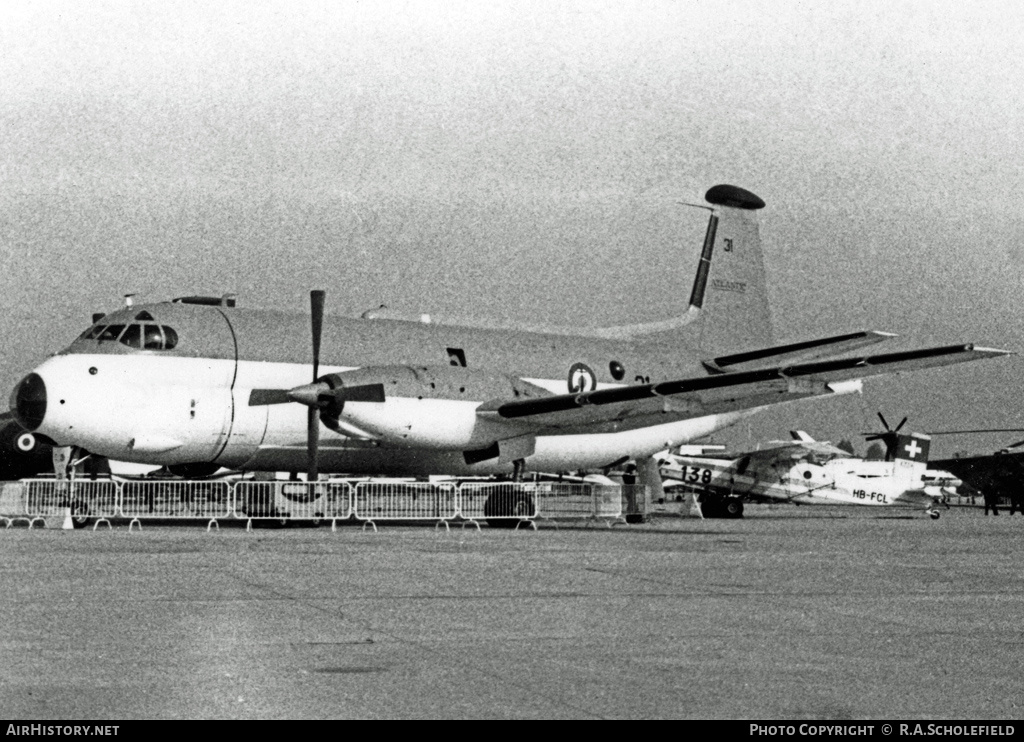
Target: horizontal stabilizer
(723,392)
(797,352)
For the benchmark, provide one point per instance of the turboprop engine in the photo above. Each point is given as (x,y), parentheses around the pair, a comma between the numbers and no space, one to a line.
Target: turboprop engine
(423,406)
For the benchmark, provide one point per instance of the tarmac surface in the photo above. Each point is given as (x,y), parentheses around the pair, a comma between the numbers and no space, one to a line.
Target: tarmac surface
(789,613)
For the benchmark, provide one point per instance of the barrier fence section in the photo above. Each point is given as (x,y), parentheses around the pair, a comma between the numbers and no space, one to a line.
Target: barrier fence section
(498,501)
(210,500)
(557,501)
(86,498)
(405,501)
(494,502)
(12,503)
(284,501)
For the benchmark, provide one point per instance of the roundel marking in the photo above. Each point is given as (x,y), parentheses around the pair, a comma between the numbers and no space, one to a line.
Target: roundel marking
(581,378)
(26,442)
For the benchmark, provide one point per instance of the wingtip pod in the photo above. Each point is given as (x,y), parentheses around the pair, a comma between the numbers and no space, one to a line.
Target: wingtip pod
(734,196)
(992,351)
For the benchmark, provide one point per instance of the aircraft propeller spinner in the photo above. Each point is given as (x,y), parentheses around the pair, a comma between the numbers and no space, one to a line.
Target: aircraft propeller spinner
(889,437)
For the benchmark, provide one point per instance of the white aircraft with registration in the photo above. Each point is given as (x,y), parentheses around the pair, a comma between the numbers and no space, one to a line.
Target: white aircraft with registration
(809,472)
(198,383)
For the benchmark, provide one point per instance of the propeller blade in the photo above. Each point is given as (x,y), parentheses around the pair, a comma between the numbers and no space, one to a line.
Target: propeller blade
(260,397)
(902,423)
(312,444)
(884,423)
(316,303)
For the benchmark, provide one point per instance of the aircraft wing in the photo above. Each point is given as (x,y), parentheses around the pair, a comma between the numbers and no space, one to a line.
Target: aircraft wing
(718,393)
(1000,474)
(796,352)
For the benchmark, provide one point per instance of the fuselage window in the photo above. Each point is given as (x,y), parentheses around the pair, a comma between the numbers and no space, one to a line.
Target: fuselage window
(93,332)
(170,337)
(132,336)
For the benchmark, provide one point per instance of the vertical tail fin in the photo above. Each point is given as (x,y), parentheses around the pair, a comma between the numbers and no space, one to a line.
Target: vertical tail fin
(911,459)
(732,297)
(728,310)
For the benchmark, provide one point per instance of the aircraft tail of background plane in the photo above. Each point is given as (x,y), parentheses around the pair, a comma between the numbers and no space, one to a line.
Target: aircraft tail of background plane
(728,309)
(911,459)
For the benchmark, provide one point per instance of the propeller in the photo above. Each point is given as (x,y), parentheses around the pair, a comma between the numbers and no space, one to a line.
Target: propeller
(316,302)
(888,437)
(325,398)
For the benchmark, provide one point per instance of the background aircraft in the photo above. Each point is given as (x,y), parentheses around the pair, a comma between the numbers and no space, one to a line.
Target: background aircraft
(21,453)
(1000,475)
(197,384)
(808,472)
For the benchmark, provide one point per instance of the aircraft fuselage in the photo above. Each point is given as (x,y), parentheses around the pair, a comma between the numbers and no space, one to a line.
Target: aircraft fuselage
(837,482)
(191,402)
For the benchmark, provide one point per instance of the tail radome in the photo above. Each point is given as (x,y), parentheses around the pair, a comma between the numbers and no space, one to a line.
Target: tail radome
(728,309)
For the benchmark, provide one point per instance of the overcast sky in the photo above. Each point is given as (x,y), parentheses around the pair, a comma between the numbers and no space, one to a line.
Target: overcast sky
(524,161)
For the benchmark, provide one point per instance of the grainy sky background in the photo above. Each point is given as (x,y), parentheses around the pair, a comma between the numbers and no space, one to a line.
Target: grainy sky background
(523,161)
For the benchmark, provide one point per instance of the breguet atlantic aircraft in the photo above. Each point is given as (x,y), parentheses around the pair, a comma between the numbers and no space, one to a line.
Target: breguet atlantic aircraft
(809,472)
(198,383)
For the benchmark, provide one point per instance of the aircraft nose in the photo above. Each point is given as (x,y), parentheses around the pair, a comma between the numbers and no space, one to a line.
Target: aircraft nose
(28,402)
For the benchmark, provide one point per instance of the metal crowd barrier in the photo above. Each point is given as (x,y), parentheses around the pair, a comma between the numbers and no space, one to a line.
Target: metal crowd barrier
(375,501)
(498,503)
(596,502)
(288,501)
(86,499)
(176,499)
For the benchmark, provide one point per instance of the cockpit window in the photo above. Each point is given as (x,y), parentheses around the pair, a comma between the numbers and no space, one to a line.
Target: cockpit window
(152,338)
(145,336)
(155,337)
(110,332)
(132,336)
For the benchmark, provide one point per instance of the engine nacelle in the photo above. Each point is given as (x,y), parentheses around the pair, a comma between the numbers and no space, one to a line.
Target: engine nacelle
(427,406)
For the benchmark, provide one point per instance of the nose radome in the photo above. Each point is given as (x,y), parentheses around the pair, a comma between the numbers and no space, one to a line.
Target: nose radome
(28,402)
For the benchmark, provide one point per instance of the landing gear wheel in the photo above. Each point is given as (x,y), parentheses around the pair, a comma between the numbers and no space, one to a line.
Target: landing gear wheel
(933,514)
(508,510)
(79,513)
(733,507)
